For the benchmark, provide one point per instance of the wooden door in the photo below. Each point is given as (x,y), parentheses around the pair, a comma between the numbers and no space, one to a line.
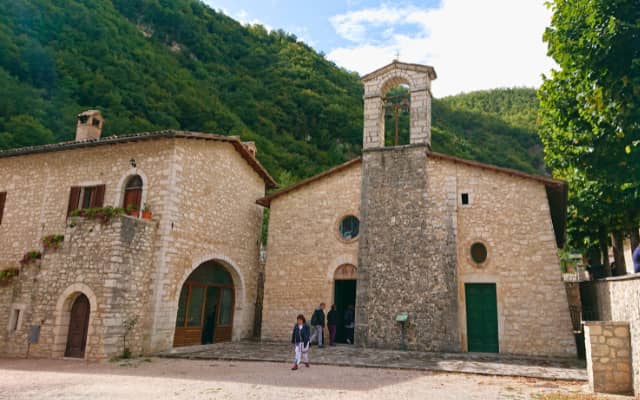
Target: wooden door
(78,327)
(482,317)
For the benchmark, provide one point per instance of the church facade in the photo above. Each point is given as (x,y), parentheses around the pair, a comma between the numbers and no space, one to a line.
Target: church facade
(465,252)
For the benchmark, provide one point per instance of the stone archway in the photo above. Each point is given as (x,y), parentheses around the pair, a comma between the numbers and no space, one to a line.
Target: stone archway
(62,314)
(205,306)
(344,297)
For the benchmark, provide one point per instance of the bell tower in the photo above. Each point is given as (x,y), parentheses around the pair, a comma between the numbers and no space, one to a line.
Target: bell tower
(376,85)
(407,254)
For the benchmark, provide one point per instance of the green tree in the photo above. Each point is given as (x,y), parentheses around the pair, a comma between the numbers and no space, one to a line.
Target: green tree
(590,123)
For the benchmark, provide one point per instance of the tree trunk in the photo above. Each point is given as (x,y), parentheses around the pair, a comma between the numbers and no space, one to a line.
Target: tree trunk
(604,251)
(617,238)
(635,238)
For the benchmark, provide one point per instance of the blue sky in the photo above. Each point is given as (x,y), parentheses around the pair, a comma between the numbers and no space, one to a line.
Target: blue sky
(472,44)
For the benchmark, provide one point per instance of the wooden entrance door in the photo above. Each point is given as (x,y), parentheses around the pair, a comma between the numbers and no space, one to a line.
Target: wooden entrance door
(482,317)
(205,308)
(78,327)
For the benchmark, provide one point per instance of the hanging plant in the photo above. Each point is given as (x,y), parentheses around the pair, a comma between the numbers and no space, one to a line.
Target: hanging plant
(31,257)
(7,275)
(102,214)
(52,242)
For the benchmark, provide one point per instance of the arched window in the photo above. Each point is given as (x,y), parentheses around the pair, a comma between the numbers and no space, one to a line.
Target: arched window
(397,106)
(133,193)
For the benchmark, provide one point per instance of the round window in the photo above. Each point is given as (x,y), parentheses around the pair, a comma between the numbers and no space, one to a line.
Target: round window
(349,227)
(478,253)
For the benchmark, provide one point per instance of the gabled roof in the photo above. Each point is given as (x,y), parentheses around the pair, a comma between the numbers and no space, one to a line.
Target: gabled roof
(556,189)
(406,66)
(136,137)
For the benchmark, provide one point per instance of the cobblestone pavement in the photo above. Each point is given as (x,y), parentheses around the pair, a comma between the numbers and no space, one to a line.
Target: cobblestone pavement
(177,379)
(342,355)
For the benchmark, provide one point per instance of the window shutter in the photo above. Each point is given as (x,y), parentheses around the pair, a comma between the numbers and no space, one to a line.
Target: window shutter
(74,199)
(3,199)
(98,197)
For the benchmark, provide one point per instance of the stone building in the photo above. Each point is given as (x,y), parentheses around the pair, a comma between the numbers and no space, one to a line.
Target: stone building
(186,276)
(467,250)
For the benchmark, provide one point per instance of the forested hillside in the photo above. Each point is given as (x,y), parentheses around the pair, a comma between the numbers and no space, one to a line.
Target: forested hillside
(151,64)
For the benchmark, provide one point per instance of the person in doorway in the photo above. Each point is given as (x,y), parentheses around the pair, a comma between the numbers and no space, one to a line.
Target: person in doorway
(636,259)
(349,323)
(300,339)
(317,322)
(332,321)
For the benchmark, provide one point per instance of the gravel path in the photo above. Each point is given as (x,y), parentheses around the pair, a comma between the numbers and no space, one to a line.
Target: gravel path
(160,378)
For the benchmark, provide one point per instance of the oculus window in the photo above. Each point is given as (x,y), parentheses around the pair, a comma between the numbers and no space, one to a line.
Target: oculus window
(349,227)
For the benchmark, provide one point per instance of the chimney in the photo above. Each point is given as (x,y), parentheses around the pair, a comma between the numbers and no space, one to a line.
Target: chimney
(89,126)
(251,147)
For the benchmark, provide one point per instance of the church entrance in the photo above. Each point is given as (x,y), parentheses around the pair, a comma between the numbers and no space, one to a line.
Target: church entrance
(205,307)
(78,327)
(344,296)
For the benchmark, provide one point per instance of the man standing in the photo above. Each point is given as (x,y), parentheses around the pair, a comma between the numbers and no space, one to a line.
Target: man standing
(332,322)
(349,323)
(317,321)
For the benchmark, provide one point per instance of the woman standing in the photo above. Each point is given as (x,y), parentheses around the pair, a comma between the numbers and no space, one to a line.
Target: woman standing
(332,322)
(300,339)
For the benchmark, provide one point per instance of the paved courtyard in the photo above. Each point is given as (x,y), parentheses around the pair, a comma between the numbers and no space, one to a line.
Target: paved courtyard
(342,355)
(162,378)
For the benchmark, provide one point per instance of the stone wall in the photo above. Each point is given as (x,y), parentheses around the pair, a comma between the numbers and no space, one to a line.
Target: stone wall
(510,216)
(608,357)
(618,299)
(305,249)
(202,194)
(211,215)
(109,263)
(407,252)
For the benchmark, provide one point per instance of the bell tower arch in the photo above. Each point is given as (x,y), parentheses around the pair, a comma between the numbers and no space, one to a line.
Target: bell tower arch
(376,85)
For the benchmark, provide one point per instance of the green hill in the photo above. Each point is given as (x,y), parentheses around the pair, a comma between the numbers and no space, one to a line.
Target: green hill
(160,64)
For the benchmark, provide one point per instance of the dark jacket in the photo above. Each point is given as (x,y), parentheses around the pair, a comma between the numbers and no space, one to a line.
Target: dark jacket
(348,317)
(300,335)
(332,318)
(318,317)
(636,260)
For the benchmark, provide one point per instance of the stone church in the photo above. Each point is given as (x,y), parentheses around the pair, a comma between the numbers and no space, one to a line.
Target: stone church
(466,251)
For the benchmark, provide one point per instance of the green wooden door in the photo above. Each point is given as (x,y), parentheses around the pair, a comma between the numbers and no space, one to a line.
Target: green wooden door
(482,317)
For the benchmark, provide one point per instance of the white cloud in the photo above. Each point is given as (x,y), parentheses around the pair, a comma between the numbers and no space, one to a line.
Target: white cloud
(472,44)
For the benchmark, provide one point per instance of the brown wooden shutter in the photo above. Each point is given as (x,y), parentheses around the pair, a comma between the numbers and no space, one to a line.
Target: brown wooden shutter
(74,199)
(98,197)
(3,199)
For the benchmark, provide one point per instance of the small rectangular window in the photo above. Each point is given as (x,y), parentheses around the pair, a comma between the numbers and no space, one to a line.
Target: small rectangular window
(85,197)
(465,198)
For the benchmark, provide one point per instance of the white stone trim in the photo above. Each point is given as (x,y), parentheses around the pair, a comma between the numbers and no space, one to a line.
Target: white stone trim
(62,315)
(12,317)
(462,307)
(338,262)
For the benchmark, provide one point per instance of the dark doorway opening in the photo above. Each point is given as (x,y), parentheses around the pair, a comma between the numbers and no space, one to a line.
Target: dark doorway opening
(78,327)
(205,307)
(344,296)
(482,317)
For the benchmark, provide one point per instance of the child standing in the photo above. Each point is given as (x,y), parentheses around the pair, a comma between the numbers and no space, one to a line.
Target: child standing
(300,339)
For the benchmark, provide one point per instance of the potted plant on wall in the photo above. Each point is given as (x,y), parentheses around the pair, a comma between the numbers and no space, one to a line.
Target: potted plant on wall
(7,275)
(146,212)
(133,211)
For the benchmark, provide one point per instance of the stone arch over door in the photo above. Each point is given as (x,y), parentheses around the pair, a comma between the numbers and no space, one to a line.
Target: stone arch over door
(344,296)
(62,316)
(237,288)
(376,85)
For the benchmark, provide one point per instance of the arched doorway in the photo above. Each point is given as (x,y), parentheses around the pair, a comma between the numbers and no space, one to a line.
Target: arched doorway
(78,327)
(344,296)
(133,193)
(205,307)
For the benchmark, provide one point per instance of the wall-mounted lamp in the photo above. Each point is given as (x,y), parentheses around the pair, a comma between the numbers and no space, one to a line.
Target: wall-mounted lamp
(132,162)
